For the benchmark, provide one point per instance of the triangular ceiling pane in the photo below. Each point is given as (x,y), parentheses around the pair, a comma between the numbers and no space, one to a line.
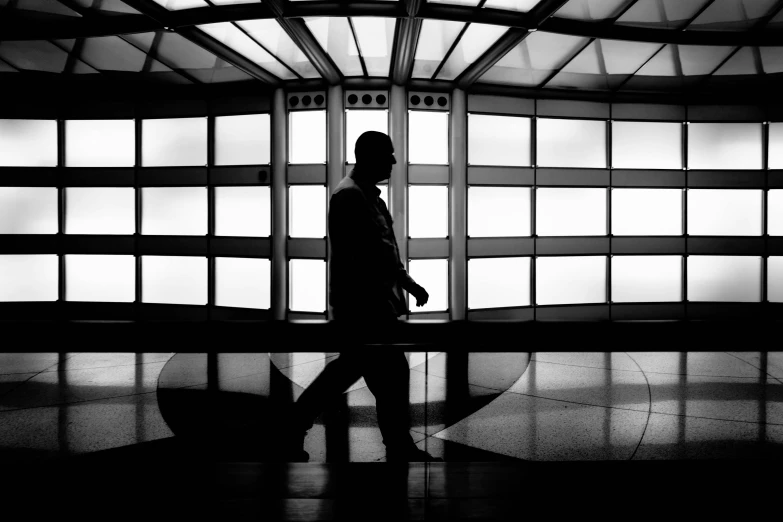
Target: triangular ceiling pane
(375,36)
(34,55)
(623,57)
(176,5)
(698,60)
(110,53)
(772,59)
(549,51)
(181,53)
(45,6)
(455,2)
(108,6)
(583,72)
(141,40)
(269,34)
(742,62)
(777,20)
(644,13)
(474,42)
(522,6)
(4,67)
(664,14)
(82,68)
(435,39)
(679,11)
(732,15)
(66,44)
(592,9)
(586,62)
(662,64)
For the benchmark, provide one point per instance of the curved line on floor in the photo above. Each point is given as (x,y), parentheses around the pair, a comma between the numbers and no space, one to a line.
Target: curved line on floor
(649,406)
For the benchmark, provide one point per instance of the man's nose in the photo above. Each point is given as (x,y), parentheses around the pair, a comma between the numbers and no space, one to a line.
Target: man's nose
(394,160)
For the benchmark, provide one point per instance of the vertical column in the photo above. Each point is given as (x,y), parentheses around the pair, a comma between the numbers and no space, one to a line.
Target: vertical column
(458,192)
(533,196)
(210,214)
(685,214)
(335,160)
(137,230)
(60,219)
(279,206)
(398,183)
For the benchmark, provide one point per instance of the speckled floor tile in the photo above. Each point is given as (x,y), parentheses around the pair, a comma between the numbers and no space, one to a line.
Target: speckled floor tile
(672,437)
(543,429)
(579,384)
(717,364)
(84,361)
(284,360)
(49,388)
(721,398)
(82,427)
(26,362)
(497,371)
(12,381)
(606,361)
(774,363)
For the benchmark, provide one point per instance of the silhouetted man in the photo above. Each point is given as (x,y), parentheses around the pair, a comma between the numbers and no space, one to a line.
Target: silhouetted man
(366,285)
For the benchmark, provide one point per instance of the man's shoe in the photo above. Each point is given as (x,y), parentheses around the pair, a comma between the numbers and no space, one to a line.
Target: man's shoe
(411,454)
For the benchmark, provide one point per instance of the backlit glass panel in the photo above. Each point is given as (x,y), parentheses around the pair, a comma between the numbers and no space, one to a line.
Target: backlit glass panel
(174,280)
(646,279)
(334,35)
(307,137)
(498,282)
(243,282)
(570,280)
(435,39)
(428,137)
(724,278)
(498,140)
(29,277)
(100,210)
(476,39)
(775,279)
(243,211)
(498,211)
(571,143)
(307,211)
(776,145)
(428,211)
(721,146)
(100,278)
(775,212)
(28,143)
(174,142)
(723,212)
(243,140)
(433,275)
(271,35)
(375,36)
(357,122)
(647,212)
(570,212)
(646,145)
(28,210)
(177,211)
(307,285)
(100,143)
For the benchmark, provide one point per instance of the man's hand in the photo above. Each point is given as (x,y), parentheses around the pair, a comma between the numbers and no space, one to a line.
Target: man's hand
(421,295)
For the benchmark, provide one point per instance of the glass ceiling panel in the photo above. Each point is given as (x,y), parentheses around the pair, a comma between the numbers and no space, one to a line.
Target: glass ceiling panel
(701,59)
(522,6)
(232,2)
(176,5)
(661,14)
(662,64)
(110,53)
(435,40)
(230,35)
(742,62)
(34,55)
(4,67)
(472,3)
(40,6)
(335,37)
(107,6)
(776,22)
(772,59)
(375,36)
(589,10)
(269,34)
(732,15)
(534,59)
(476,39)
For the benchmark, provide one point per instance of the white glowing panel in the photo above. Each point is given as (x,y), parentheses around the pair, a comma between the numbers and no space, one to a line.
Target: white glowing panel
(243,282)
(647,212)
(775,154)
(433,275)
(174,142)
(775,279)
(243,211)
(724,278)
(724,212)
(646,145)
(307,137)
(174,280)
(774,212)
(28,143)
(100,143)
(28,210)
(570,212)
(570,280)
(498,282)
(307,285)
(498,140)
(384,195)
(243,140)
(571,143)
(307,211)
(29,277)
(428,137)
(358,122)
(428,211)
(646,279)
(499,211)
(100,210)
(174,211)
(721,146)
(98,278)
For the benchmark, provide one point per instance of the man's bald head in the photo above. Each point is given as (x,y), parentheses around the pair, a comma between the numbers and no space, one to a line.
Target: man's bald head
(371,146)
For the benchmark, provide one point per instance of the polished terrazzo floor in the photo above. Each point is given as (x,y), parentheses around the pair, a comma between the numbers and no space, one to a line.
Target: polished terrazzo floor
(469,407)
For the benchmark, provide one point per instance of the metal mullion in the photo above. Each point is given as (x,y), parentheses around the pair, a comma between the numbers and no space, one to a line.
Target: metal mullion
(765,212)
(565,64)
(137,233)
(609,211)
(210,215)
(533,191)
(60,219)
(684,142)
(358,47)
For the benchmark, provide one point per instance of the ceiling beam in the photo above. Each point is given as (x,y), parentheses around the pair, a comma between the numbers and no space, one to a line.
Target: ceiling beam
(533,20)
(408,30)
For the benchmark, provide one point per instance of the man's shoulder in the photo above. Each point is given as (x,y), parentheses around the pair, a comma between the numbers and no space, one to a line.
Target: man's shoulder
(348,189)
